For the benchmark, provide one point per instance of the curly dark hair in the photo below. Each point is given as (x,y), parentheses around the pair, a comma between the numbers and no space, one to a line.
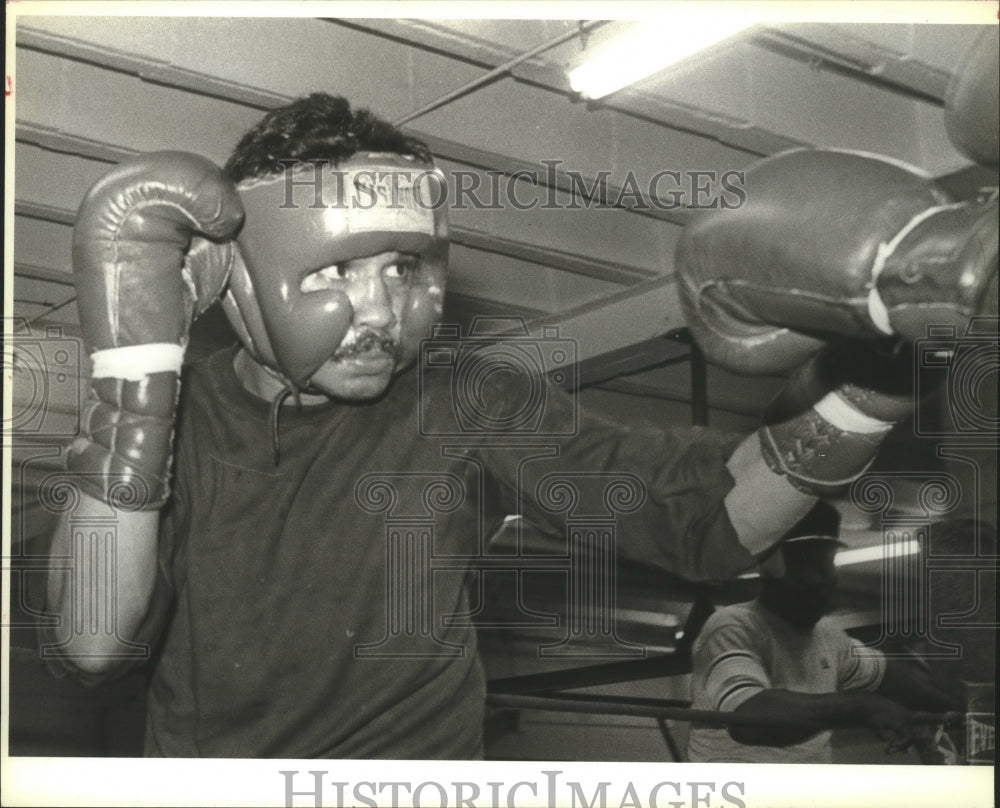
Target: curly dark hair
(316,127)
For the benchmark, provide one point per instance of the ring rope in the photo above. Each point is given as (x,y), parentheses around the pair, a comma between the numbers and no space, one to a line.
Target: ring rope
(653,708)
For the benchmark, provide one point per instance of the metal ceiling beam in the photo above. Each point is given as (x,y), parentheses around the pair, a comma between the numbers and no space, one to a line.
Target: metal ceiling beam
(547,177)
(154,71)
(473,304)
(44,213)
(643,312)
(56,140)
(463,47)
(170,75)
(733,132)
(575,263)
(830,48)
(39,273)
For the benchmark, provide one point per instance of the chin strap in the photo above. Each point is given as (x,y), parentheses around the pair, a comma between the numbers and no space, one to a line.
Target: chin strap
(288,390)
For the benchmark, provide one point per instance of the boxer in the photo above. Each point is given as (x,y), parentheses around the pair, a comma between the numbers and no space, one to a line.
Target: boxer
(257,576)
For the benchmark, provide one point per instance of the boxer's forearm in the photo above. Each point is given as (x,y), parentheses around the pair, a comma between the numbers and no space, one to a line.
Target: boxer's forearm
(814,712)
(142,270)
(762,505)
(101,581)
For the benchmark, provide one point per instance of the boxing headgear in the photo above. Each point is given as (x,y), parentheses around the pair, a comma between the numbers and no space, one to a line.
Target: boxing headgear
(319,215)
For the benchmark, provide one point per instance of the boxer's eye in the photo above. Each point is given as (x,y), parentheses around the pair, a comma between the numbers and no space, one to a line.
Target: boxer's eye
(326,278)
(401,269)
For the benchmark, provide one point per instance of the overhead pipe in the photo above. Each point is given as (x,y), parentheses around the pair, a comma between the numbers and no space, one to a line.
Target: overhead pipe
(497,72)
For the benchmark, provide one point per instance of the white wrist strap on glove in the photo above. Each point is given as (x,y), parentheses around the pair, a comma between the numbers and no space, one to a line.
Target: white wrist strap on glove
(133,363)
(834,410)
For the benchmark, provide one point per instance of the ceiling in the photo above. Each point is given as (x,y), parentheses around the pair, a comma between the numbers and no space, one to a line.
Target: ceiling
(494,105)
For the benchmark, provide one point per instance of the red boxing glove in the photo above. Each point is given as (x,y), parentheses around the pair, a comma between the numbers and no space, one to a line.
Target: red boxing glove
(140,283)
(832,244)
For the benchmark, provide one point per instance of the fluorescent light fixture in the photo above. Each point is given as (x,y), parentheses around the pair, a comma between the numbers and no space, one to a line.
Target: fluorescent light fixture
(648,47)
(861,555)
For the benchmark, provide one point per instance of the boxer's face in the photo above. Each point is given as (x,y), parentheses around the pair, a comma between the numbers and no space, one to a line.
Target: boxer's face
(335,298)
(394,298)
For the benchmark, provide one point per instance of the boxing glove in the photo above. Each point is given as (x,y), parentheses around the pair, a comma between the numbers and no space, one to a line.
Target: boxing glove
(142,274)
(825,427)
(831,243)
(972,101)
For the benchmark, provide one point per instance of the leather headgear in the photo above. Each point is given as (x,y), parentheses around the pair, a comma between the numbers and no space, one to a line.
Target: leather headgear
(319,215)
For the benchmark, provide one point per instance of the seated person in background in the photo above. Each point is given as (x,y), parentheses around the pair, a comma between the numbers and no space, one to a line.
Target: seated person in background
(776,658)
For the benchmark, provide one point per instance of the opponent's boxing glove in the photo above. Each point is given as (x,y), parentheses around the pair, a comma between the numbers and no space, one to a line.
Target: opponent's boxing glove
(140,281)
(972,101)
(825,427)
(831,243)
